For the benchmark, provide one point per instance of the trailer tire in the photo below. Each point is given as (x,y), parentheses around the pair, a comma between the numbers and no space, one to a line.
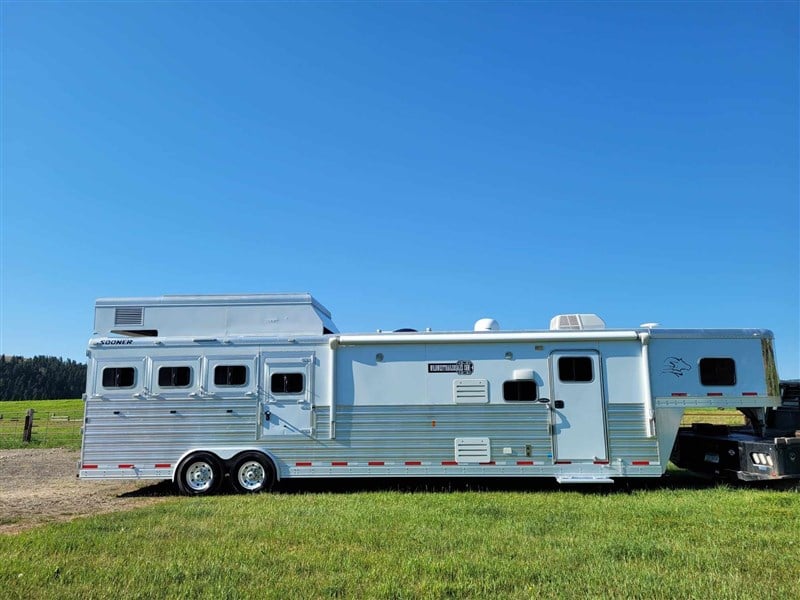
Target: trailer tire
(252,472)
(199,474)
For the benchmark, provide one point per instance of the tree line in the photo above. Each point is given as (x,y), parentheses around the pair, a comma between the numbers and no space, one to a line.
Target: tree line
(41,378)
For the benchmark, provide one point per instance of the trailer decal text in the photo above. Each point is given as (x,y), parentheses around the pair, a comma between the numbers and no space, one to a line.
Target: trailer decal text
(462,367)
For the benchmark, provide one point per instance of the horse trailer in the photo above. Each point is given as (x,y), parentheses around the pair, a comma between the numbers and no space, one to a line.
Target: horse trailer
(260,388)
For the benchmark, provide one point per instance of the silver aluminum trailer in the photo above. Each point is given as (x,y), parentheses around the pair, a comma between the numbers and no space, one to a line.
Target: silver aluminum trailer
(260,388)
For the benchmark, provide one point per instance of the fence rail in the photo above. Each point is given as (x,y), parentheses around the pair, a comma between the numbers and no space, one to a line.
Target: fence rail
(35,428)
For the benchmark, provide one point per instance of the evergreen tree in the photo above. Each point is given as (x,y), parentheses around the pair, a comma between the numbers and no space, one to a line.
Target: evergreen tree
(40,378)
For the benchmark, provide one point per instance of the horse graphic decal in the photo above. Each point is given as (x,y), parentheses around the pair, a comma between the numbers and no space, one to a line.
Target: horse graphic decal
(676,366)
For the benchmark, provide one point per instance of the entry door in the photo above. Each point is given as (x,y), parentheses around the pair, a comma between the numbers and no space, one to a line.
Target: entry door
(287,403)
(579,431)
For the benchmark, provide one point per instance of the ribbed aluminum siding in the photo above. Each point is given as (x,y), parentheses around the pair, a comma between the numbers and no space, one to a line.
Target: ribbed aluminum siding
(626,434)
(400,433)
(145,431)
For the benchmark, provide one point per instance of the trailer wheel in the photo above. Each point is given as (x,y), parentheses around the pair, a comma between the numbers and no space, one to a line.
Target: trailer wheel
(199,474)
(252,472)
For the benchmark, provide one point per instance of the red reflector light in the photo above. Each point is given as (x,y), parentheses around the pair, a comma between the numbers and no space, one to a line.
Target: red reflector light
(601,462)
(640,462)
(163,465)
(89,466)
(525,462)
(125,466)
(375,463)
(449,463)
(679,394)
(749,393)
(490,463)
(413,463)
(339,463)
(714,394)
(302,464)
(563,462)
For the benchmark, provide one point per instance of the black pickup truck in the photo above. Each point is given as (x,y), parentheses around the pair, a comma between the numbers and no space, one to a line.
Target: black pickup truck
(766,448)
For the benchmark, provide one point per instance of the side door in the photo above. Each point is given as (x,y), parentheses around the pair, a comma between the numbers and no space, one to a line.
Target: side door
(578,405)
(287,404)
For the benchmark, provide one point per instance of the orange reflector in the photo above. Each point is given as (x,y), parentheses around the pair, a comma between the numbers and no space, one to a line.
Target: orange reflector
(375,463)
(302,464)
(525,462)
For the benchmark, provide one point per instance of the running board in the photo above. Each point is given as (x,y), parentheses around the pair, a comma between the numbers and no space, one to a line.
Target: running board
(582,479)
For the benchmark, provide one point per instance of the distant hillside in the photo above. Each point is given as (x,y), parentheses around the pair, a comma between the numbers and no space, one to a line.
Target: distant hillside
(40,378)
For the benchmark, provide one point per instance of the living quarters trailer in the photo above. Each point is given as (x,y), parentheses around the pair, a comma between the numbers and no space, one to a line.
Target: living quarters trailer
(260,388)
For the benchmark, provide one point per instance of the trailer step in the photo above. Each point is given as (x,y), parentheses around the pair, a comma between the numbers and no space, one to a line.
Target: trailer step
(583,479)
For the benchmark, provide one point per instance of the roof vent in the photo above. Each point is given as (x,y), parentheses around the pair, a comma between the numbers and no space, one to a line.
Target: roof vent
(486,325)
(576,322)
(129,315)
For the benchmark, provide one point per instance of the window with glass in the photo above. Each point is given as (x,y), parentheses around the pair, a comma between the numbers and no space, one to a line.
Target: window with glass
(717,371)
(520,390)
(119,377)
(230,375)
(174,377)
(287,383)
(575,368)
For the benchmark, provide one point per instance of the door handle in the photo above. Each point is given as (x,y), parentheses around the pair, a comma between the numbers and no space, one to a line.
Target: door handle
(559,404)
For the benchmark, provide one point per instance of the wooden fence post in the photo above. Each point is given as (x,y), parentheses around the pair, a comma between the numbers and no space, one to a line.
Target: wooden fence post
(28,429)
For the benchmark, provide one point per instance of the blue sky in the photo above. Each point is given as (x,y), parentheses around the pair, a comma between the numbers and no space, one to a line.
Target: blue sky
(410,164)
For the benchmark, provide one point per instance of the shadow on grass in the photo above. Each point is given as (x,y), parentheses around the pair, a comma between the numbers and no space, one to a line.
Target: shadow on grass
(673,480)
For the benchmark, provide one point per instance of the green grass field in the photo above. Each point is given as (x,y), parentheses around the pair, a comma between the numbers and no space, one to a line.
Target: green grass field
(721,416)
(57,423)
(709,542)
(679,537)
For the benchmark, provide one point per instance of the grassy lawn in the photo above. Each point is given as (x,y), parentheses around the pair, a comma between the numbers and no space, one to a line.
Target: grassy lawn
(706,542)
(681,537)
(57,423)
(721,416)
